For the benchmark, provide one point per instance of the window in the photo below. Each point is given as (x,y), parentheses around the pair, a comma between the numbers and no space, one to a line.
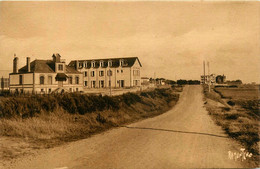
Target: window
(121,62)
(93,84)
(80,64)
(20,79)
(101,83)
(85,73)
(77,80)
(109,83)
(49,90)
(109,73)
(136,72)
(70,79)
(135,82)
(42,90)
(49,79)
(117,71)
(85,64)
(41,79)
(122,71)
(93,64)
(60,67)
(77,89)
(101,63)
(109,63)
(92,73)
(101,73)
(85,83)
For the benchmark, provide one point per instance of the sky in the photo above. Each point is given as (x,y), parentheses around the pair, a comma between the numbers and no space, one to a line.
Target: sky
(171,39)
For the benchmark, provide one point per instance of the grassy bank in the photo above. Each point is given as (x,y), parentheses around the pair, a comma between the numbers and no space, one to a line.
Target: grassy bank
(238,114)
(54,119)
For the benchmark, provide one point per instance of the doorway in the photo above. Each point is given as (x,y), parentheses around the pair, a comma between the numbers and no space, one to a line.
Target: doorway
(122,83)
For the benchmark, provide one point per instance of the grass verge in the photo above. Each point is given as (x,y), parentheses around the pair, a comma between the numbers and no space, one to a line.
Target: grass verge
(240,122)
(47,121)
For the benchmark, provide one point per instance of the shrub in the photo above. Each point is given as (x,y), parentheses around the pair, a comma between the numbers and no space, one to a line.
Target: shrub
(100,118)
(73,103)
(231,116)
(231,103)
(130,98)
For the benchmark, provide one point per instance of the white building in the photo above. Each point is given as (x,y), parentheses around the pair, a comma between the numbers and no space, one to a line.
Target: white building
(114,72)
(45,76)
(208,79)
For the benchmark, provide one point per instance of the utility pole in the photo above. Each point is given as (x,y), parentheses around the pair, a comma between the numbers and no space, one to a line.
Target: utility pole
(204,77)
(154,79)
(110,83)
(209,80)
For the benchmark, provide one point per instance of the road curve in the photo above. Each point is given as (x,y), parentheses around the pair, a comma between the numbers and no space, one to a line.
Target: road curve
(184,137)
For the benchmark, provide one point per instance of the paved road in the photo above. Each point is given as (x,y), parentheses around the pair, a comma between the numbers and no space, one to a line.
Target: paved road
(184,137)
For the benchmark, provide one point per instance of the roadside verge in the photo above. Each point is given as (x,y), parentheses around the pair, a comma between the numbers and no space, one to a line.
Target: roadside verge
(27,125)
(239,123)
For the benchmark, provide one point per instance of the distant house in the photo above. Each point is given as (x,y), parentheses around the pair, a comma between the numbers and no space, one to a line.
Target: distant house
(145,81)
(160,81)
(4,80)
(220,79)
(208,79)
(45,76)
(4,83)
(112,72)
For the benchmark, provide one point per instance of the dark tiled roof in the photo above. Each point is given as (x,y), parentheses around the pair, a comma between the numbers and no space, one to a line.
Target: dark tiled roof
(45,66)
(71,70)
(40,66)
(129,62)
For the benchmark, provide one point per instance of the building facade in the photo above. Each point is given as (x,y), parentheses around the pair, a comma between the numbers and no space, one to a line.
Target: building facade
(208,79)
(45,76)
(106,73)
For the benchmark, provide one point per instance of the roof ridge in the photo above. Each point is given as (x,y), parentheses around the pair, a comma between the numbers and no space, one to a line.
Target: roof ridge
(106,59)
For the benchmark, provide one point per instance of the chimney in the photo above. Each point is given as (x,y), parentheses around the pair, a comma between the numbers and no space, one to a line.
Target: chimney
(15,64)
(28,64)
(56,57)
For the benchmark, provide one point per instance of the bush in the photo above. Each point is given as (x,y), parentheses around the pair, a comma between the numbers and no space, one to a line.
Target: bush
(231,103)
(231,116)
(131,98)
(73,103)
(100,118)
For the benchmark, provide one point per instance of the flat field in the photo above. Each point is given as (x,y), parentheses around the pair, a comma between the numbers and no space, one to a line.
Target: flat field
(249,93)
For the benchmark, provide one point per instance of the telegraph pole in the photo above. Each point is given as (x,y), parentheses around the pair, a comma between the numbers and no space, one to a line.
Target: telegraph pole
(204,77)
(209,80)
(110,83)
(154,78)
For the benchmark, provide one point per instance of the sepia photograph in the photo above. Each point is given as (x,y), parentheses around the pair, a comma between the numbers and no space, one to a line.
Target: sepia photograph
(129,84)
